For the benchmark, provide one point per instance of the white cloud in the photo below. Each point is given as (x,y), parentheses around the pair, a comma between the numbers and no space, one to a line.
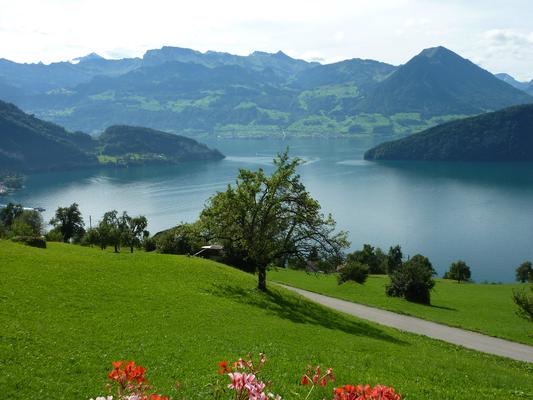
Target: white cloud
(387,30)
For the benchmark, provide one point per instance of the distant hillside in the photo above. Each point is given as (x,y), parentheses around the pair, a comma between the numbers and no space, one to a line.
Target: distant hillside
(152,145)
(263,94)
(505,135)
(438,82)
(28,143)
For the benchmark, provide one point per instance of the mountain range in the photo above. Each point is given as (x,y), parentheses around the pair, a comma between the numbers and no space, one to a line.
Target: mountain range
(505,135)
(193,93)
(524,86)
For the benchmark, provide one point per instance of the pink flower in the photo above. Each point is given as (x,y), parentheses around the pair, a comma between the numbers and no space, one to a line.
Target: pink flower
(240,380)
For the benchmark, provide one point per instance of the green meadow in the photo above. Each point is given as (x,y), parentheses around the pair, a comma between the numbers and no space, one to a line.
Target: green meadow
(67,311)
(485,308)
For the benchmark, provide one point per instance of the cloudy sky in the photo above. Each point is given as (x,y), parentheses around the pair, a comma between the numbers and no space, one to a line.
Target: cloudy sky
(498,35)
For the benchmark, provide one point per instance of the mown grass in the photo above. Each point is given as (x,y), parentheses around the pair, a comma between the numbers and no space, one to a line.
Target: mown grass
(66,312)
(484,308)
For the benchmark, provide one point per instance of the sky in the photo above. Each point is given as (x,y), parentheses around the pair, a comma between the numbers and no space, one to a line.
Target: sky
(497,35)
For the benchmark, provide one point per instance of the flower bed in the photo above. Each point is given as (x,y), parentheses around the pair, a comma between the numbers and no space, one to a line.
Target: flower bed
(128,382)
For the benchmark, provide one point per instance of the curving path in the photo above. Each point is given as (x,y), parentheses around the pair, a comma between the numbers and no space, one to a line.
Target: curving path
(461,337)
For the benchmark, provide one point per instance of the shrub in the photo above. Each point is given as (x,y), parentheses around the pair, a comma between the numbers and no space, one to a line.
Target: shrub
(21,228)
(149,244)
(524,302)
(373,257)
(30,241)
(182,239)
(54,235)
(31,219)
(353,271)
(413,280)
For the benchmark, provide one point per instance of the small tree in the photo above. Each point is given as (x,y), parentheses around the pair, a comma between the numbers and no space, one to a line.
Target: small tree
(133,230)
(394,259)
(368,257)
(524,272)
(413,280)
(33,219)
(353,271)
(524,301)
(110,230)
(69,222)
(9,213)
(458,271)
(266,218)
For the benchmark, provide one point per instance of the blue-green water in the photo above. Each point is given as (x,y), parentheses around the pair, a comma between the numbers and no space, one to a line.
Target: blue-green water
(482,213)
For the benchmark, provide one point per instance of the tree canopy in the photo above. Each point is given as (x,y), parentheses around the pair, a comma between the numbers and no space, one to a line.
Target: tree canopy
(69,222)
(524,272)
(458,271)
(271,218)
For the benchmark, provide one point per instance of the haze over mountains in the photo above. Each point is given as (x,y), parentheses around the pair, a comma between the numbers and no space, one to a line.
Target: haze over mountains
(213,93)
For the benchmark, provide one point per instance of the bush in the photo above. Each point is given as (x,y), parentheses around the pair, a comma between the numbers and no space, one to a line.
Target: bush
(31,219)
(21,228)
(524,301)
(413,280)
(353,271)
(30,241)
(374,258)
(182,239)
(54,235)
(149,244)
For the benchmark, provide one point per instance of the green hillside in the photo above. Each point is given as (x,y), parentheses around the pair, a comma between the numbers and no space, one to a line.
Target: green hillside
(505,135)
(68,311)
(149,145)
(28,143)
(484,308)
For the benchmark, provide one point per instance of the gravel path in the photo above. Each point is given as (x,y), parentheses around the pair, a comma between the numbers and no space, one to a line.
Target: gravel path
(461,337)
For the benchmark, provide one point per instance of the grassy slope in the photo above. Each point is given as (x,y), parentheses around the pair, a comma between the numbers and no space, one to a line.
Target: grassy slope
(67,311)
(479,307)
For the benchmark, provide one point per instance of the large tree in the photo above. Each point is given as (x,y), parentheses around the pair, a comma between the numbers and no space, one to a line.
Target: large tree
(271,218)
(69,222)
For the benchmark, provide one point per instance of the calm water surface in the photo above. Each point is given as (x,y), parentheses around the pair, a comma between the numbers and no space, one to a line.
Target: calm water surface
(482,213)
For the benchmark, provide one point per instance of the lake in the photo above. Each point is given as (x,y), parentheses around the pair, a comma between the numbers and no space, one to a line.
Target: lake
(479,212)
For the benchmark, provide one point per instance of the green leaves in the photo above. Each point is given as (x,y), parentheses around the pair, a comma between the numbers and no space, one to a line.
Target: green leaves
(268,219)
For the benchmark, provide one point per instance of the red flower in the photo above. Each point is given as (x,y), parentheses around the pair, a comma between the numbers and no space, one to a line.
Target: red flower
(223,367)
(305,380)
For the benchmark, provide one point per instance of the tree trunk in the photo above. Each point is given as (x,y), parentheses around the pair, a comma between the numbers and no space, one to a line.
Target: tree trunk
(131,248)
(116,249)
(261,284)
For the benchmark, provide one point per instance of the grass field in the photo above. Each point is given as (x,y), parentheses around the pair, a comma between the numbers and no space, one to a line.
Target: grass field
(484,308)
(66,312)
